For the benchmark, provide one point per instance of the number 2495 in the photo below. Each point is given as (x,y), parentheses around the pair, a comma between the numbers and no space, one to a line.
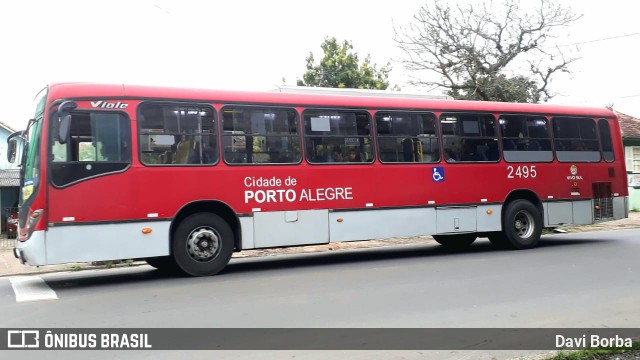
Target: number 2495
(521,172)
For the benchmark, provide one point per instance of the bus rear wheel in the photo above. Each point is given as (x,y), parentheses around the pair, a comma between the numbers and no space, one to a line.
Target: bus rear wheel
(521,226)
(202,244)
(455,242)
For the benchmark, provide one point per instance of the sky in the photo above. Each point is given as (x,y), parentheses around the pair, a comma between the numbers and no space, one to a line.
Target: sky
(254,45)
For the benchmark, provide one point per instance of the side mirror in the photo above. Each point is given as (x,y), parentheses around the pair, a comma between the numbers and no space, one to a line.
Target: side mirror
(64,120)
(12,145)
(64,123)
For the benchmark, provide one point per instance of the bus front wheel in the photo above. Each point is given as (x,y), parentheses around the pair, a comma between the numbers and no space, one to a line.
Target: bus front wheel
(202,244)
(455,242)
(521,226)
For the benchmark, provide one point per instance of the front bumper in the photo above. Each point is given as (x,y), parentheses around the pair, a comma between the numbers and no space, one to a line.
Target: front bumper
(32,251)
(19,255)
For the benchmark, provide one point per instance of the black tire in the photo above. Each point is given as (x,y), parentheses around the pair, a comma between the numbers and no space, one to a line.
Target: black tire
(455,242)
(521,225)
(202,244)
(163,263)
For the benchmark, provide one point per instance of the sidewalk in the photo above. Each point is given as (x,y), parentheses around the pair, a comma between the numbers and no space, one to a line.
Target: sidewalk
(10,266)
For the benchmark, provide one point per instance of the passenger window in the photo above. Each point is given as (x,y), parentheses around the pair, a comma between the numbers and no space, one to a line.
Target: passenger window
(260,135)
(575,139)
(605,140)
(407,137)
(99,143)
(469,137)
(525,138)
(177,134)
(337,136)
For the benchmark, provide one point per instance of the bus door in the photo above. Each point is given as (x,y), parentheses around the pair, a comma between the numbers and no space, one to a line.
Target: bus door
(90,189)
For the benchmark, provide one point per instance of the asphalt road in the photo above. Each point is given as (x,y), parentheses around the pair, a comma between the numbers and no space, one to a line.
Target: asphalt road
(571,280)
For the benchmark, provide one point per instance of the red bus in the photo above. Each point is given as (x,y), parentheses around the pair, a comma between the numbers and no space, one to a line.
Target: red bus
(185,177)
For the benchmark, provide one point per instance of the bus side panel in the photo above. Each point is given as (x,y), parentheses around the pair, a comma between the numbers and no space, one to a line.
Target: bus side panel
(489,217)
(99,242)
(246,228)
(456,219)
(378,224)
(559,213)
(583,212)
(286,228)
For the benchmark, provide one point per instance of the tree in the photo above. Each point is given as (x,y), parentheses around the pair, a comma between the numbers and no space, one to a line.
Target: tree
(340,68)
(482,53)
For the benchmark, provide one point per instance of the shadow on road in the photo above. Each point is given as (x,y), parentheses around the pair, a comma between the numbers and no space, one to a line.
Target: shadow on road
(481,245)
(148,275)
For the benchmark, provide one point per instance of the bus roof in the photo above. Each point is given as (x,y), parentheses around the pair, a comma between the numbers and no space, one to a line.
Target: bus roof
(81,91)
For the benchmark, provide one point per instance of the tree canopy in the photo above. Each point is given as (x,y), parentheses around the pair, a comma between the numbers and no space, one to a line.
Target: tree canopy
(340,68)
(487,51)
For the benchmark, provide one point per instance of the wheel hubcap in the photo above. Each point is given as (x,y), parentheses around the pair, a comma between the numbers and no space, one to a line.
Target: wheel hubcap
(203,244)
(523,224)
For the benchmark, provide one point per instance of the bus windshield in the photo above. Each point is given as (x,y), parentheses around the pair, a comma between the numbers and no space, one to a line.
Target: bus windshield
(30,173)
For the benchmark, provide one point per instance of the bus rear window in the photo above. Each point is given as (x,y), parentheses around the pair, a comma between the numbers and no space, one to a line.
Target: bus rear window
(605,140)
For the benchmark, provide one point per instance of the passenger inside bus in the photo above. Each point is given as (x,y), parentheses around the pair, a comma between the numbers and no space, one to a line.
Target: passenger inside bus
(336,155)
(492,153)
(354,156)
(184,150)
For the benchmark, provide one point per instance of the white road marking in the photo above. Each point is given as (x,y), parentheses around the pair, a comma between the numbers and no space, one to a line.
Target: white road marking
(31,288)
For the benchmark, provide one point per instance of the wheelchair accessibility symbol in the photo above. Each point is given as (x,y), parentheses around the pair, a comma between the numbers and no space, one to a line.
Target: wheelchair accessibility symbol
(438,174)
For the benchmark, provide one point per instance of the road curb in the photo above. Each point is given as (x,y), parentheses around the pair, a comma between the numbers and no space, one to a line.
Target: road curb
(59,269)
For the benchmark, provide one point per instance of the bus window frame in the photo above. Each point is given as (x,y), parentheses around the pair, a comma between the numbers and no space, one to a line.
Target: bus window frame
(298,121)
(552,121)
(176,103)
(372,135)
(49,148)
(496,137)
(438,135)
(549,133)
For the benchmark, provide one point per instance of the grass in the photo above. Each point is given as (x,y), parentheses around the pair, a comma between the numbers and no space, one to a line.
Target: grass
(593,354)
(75,268)
(109,264)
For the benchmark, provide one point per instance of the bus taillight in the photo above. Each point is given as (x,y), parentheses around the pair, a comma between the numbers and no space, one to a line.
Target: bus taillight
(32,222)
